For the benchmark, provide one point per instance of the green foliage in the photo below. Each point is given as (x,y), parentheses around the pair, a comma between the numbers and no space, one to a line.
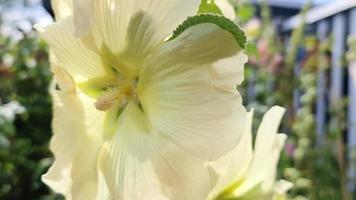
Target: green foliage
(24,78)
(209,6)
(318,171)
(325,174)
(297,36)
(351,54)
(218,20)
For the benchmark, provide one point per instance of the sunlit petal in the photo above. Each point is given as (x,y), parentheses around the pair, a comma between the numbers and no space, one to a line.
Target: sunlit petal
(83,16)
(132,29)
(126,162)
(182,175)
(268,146)
(62,8)
(187,95)
(234,165)
(257,178)
(74,172)
(226,8)
(81,63)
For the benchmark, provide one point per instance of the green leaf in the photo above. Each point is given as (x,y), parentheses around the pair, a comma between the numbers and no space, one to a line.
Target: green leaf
(209,6)
(218,20)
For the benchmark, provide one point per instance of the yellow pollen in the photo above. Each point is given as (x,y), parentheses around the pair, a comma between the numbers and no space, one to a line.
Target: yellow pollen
(116,96)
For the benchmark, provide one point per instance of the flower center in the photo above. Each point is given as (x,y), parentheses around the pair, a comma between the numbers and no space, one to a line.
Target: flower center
(117,96)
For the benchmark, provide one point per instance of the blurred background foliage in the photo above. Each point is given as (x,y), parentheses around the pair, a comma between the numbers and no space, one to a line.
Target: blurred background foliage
(317,169)
(25,117)
(318,173)
(25,113)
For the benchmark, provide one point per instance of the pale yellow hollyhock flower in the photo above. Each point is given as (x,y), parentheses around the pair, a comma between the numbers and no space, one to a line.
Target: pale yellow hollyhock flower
(83,15)
(128,98)
(62,8)
(250,174)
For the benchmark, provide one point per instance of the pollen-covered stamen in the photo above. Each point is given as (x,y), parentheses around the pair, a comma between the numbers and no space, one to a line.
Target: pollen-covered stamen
(115,96)
(108,99)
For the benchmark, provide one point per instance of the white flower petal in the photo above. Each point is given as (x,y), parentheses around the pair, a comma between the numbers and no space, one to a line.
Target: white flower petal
(232,167)
(268,145)
(185,96)
(83,16)
(74,172)
(226,8)
(132,29)
(63,79)
(229,72)
(266,134)
(252,175)
(62,8)
(182,175)
(282,186)
(81,63)
(126,160)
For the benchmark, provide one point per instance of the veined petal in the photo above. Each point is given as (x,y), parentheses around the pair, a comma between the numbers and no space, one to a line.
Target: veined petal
(83,16)
(126,160)
(262,179)
(94,119)
(229,72)
(63,79)
(182,175)
(268,146)
(132,29)
(256,179)
(231,169)
(266,134)
(81,63)
(184,94)
(74,172)
(62,8)
(269,181)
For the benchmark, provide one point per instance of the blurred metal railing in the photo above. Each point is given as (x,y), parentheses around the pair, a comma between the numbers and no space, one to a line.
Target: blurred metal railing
(338,20)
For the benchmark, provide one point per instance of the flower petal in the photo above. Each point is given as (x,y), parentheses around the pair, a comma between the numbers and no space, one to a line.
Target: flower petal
(126,160)
(252,176)
(183,176)
(63,79)
(83,16)
(268,146)
(226,8)
(74,172)
(189,97)
(70,52)
(62,8)
(132,29)
(267,137)
(231,168)
(282,186)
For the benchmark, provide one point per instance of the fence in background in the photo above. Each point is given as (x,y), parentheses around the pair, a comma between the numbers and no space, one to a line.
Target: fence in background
(339,81)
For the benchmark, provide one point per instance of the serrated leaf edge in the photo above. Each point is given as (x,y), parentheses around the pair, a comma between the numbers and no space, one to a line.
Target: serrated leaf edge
(218,20)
